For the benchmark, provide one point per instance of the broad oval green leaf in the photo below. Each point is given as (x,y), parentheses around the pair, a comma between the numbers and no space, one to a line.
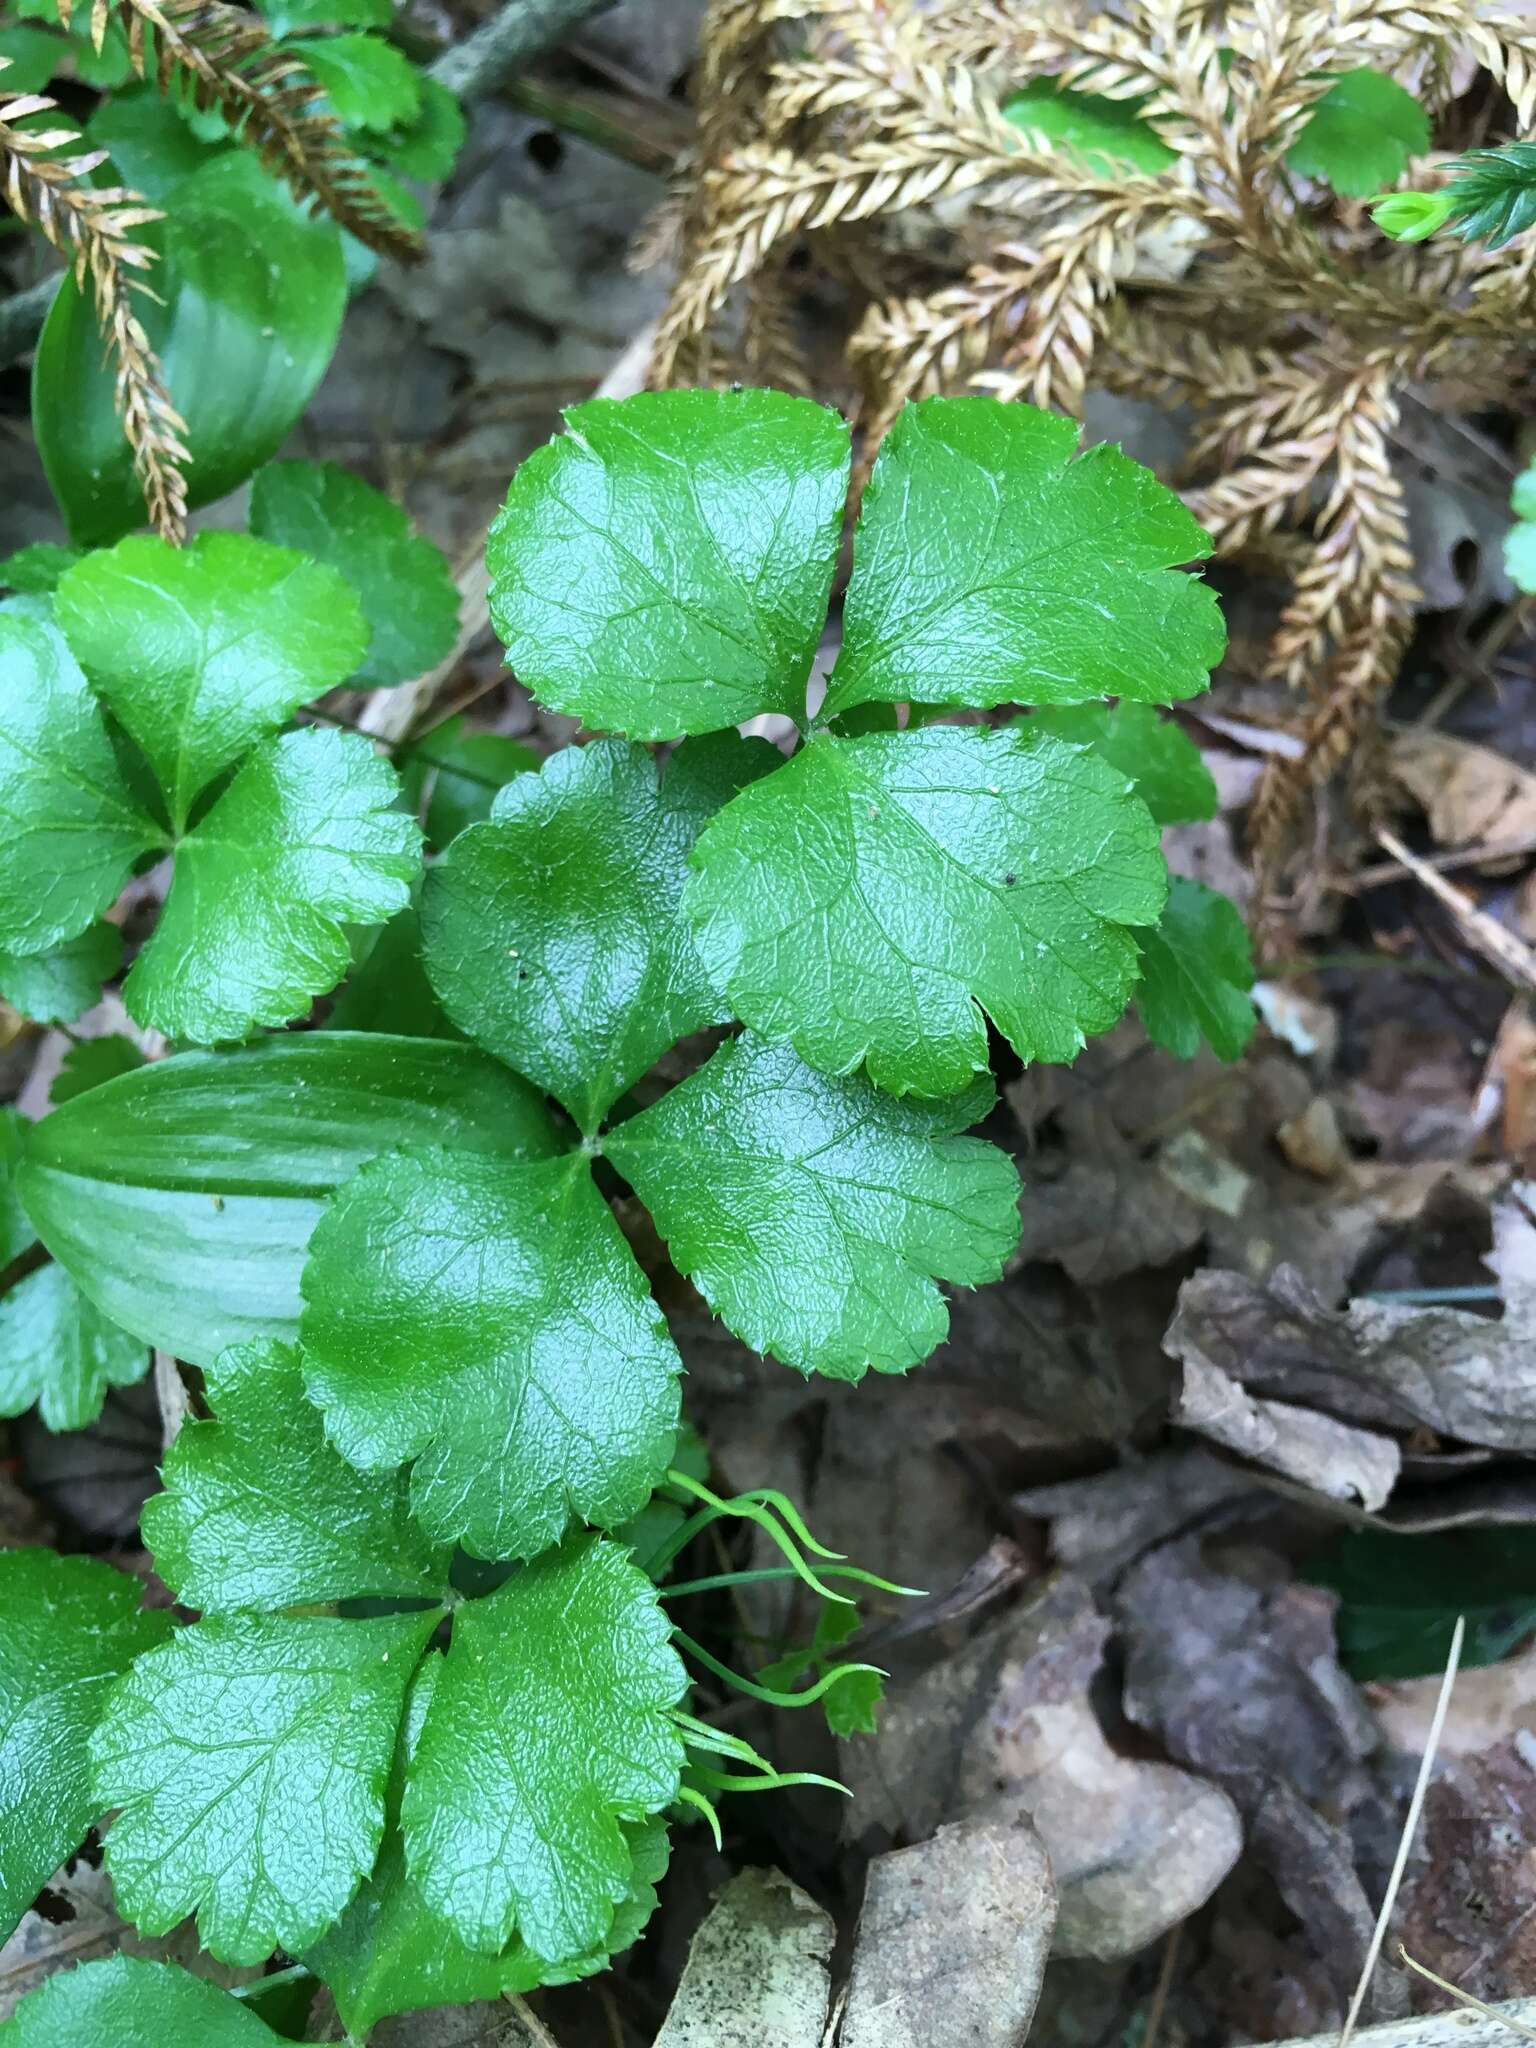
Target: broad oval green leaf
(73,827)
(994,564)
(489,1321)
(182,1196)
(810,1213)
(402,581)
(548,1728)
(1105,135)
(551,933)
(132,2003)
(72,1626)
(261,1511)
(253,289)
(868,901)
(202,650)
(248,1757)
(307,835)
(663,566)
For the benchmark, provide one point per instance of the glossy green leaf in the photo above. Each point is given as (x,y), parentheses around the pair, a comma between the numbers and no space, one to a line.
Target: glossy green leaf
(182,1197)
(993,564)
(369,83)
(457,773)
(1106,135)
(91,1062)
(59,1351)
(1360,135)
(490,1322)
(1162,763)
(54,987)
(812,1214)
(663,566)
(72,827)
(202,650)
(548,1728)
(409,600)
(253,291)
(426,147)
(1197,970)
(867,902)
(305,836)
(16,1232)
(71,1626)
(35,570)
(249,1758)
(149,141)
(551,933)
(131,2003)
(260,1511)
(388,989)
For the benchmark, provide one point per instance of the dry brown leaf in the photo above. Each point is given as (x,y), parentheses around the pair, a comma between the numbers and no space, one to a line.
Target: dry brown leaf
(757,1974)
(1471,795)
(1488,1707)
(1333,1458)
(1006,1728)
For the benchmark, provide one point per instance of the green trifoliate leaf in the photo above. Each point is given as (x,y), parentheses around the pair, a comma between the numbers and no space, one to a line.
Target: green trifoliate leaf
(551,933)
(368,82)
(1105,135)
(548,1729)
(1162,763)
(91,1062)
(260,1511)
(1360,134)
(58,1350)
(458,772)
(72,829)
(54,987)
(490,1322)
(134,2004)
(409,602)
(1197,969)
(663,567)
(35,570)
(305,837)
(810,1213)
(993,565)
(390,1953)
(201,650)
(428,146)
(71,1626)
(867,902)
(249,1758)
(16,1232)
(182,1196)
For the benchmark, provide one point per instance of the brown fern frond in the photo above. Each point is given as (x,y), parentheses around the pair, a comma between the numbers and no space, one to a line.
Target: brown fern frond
(227,59)
(92,227)
(771,352)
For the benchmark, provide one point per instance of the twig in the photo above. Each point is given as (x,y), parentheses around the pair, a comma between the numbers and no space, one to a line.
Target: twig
(1512,954)
(171,1397)
(1157,2004)
(1410,1828)
(1489,2012)
(520,29)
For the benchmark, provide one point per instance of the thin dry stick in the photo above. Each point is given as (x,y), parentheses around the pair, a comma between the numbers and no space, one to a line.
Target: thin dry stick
(1410,1828)
(1502,947)
(1465,1998)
